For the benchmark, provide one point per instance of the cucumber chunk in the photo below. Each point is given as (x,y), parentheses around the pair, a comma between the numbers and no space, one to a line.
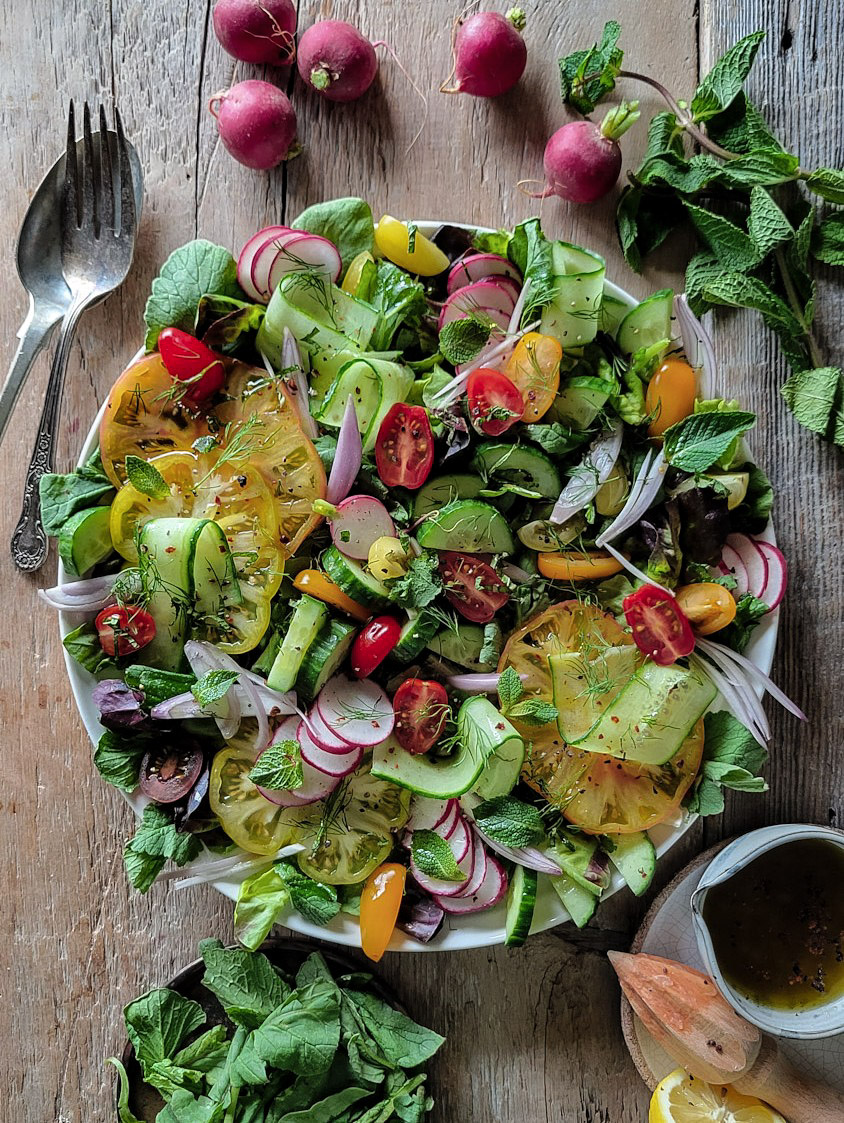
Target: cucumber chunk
(463,647)
(306,622)
(360,381)
(324,657)
(521,902)
(415,636)
(572,316)
(584,687)
(612,313)
(519,464)
(85,540)
(634,856)
(444,490)
(353,579)
(577,901)
(165,549)
(648,323)
(469,526)
(653,715)
(578,406)
(504,765)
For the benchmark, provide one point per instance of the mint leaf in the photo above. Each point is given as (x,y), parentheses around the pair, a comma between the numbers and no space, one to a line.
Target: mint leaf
(510,688)
(749,611)
(118,759)
(246,984)
(724,81)
(533,711)
(260,900)
(279,767)
(315,901)
(186,276)
(828,240)
(346,222)
(764,169)
(158,1022)
(733,248)
(420,585)
(213,686)
(811,395)
(510,821)
(155,840)
(828,183)
(462,340)
(587,76)
(700,440)
(767,225)
(434,856)
(555,438)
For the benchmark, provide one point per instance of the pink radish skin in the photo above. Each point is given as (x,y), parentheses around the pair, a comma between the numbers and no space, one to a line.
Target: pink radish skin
(257,123)
(356,523)
(325,737)
(510,287)
(755,562)
(477,873)
(460,839)
(429,814)
(267,256)
(489,54)
(777,581)
(489,893)
(581,164)
(336,60)
(452,312)
(306,251)
(332,764)
(259,31)
(359,710)
(732,565)
(480,267)
(245,263)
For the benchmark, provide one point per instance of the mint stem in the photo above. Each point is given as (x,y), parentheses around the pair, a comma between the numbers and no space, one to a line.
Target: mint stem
(796,307)
(684,119)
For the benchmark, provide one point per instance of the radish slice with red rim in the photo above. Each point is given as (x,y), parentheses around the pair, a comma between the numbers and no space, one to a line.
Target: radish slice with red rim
(731,565)
(480,267)
(429,814)
(359,711)
(306,251)
(249,253)
(489,893)
(356,523)
(332,764)
(484,299)
(507,285)
(449,826)
(436,886)
(777,581)
(323,736)
(478,871)
(460,839)
(754,560)
(285,731)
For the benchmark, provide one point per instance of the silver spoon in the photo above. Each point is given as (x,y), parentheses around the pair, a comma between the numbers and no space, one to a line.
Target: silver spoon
(39,265)
(98,227)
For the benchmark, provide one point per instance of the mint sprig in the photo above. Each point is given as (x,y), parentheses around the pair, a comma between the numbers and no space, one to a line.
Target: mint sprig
(530,711)
(213,686)
(146,478)
(279,767)
(434,857)
(510,821)
(462,340)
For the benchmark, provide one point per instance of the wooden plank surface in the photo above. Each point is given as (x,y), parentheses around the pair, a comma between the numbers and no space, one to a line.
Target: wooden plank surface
(533,1034)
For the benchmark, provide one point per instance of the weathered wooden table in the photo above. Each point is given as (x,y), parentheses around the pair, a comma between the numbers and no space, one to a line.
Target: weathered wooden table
(532,1034)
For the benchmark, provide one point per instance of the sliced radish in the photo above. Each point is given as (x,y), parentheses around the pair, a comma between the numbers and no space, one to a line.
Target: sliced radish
(499,319)
(263,261)
(359,711)
(489,893)
(324,737)
(332,764)
(439,888)
(478,871)
(731,565)
(429,814)
(775,586)
(755,562)
(460,839)
(480,267)
(484,298)
(512,288)
(357,522)
(248,255)
(447,828)
(307,251)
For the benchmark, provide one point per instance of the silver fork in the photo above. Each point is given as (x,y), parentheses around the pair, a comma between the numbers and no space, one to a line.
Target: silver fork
(98,228)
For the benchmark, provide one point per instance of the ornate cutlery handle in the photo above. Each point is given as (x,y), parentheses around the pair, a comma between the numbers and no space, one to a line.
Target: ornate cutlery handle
(29,541)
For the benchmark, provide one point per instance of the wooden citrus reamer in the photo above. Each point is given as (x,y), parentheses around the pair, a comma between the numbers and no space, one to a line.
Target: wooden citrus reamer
(684,1012)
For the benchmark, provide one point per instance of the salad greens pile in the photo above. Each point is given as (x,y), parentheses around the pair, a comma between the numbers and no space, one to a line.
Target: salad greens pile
(759,239)
(309,1048)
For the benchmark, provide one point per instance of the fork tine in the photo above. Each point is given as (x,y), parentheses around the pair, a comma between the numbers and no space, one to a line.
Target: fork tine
(90,215)
(70,188)
(127,191)
(107,192)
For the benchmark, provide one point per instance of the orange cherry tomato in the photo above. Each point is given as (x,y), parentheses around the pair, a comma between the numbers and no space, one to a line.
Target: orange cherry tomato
(318,584)
(708,606)
(671,395)
(534,368)
(573,566)
(380,902)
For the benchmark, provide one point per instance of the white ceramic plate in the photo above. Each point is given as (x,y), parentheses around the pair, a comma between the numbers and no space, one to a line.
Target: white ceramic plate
(479,929)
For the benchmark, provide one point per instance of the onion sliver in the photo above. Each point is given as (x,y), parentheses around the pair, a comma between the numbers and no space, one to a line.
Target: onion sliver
(347,456)
(587,479)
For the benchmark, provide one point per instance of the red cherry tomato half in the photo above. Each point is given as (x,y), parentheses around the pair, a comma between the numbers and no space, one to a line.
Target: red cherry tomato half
(404,450)
(472,586)
(421,709)
(188,360)
(124,630)
(495,403)
(373,644)
(660,630)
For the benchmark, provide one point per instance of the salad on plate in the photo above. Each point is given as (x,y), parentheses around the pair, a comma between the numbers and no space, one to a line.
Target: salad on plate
(407,577)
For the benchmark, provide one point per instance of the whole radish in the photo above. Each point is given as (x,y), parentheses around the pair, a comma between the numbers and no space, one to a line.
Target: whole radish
(261,31)
(489,54)
(336,60)
(256,122)
(583,159)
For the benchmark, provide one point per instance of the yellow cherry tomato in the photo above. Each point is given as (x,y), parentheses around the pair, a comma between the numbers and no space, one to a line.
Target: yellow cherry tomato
(387,558)
(613,494)
(534,367)
(708,606)
(589,566)
(355,271)
(317,584)
(393,239)
(671,395)
(380,902)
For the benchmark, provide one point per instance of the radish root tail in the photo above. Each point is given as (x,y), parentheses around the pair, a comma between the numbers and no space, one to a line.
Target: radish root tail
(422,97)
(544,194)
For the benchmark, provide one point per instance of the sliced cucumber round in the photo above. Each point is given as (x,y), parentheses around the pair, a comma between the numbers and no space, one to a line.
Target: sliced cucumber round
(444,490)
(647,323)
(324,657)
(354,580)
(523,465)
(521,902)
(415,636)
(468,526)
(85,540)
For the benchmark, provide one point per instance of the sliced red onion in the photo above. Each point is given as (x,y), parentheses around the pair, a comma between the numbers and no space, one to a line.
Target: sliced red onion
(631,568)
(513,326)
(199,873)
(80,596)
(180,707)
(294,371)
(347,457)
(587,479)
(204,657)
(642,494)
(746,709)
(479,683)
(724,655)
(422,920)
(516,573)
(696,339)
